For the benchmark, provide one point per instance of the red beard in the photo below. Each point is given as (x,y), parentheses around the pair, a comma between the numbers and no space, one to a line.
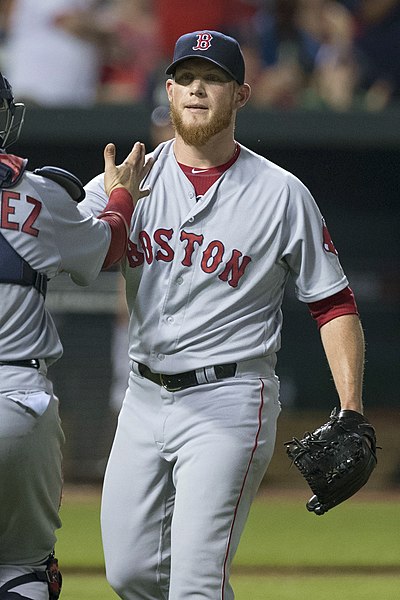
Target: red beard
(199,135)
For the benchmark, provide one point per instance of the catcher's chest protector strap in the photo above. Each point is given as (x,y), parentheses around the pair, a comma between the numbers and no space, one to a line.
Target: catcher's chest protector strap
(13,596)
(51,576)
(5,593)
(15,269)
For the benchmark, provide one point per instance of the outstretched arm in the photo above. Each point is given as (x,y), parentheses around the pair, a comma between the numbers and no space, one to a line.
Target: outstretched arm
(343,342)
(122,185)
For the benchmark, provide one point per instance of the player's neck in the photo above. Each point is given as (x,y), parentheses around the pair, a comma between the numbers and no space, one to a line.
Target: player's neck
(216,151)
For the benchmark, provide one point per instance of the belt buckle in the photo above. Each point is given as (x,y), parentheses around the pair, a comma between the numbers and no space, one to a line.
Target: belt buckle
(165,385)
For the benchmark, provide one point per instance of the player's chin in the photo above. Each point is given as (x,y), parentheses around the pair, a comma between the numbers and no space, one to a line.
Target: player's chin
(195,115)
(194,127)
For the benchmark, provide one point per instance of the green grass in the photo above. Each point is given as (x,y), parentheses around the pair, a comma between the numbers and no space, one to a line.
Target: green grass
(319,588)
(286,553)
(89,587)
(264,588)
(282,532)
(79,540)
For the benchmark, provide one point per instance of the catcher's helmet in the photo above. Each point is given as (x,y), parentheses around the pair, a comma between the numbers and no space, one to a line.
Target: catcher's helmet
(11,115)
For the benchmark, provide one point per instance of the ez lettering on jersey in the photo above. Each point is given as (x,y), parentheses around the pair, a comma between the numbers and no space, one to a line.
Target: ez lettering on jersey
(7,213)
(212,257)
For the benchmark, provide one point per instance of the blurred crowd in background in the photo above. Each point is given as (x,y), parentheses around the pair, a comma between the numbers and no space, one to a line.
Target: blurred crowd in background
(334,54)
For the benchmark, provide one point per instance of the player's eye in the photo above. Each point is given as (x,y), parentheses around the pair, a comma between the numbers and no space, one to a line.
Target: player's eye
(184,78)
(215,78)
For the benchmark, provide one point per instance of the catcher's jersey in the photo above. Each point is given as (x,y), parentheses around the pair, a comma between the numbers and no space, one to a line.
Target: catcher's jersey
(43,224)
(206,277)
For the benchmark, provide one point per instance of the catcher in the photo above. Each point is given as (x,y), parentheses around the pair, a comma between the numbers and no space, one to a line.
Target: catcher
(336,460)
(42,233)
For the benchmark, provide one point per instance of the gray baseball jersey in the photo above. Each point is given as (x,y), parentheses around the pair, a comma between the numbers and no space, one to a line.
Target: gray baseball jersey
(211,274)
(45,227)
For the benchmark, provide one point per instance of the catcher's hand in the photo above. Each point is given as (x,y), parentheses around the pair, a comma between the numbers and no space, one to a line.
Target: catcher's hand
(337,459)
(130,173)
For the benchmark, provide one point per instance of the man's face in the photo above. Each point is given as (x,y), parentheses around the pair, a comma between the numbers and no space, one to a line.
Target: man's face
(202,100)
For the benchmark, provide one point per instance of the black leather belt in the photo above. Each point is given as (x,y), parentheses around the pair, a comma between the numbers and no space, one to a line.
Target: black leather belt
(33,363)
(180,381)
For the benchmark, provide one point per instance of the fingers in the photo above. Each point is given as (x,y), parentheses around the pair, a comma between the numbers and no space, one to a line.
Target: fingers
(109,155)
(130,173)
(137,154)
(137,157)
(110,169)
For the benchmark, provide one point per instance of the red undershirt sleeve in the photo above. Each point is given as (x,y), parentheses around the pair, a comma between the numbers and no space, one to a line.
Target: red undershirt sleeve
(342,303)
(118,214)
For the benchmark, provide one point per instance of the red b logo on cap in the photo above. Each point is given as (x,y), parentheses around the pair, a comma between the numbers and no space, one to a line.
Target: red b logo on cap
(203,41)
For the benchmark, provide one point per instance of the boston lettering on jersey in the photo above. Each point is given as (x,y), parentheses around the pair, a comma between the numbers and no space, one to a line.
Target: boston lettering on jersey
(231,265)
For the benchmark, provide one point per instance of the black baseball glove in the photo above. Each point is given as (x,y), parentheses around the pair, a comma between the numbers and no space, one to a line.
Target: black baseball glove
(336,460)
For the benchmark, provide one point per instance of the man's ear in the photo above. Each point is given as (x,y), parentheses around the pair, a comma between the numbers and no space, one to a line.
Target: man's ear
(168,86)
(243,95)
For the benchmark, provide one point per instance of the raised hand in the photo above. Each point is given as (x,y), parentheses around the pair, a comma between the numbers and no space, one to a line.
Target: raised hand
(130,173)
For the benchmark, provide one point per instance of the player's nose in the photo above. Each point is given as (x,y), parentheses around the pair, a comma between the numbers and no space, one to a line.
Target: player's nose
(197,87)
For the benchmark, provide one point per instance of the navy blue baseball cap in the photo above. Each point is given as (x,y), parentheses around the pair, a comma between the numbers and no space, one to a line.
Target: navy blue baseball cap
(214,46)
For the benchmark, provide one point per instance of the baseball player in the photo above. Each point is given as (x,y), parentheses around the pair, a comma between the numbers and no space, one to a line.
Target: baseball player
(209,253)
(42,233)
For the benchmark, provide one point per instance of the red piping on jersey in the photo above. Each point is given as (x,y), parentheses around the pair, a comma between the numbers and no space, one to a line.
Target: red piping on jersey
(255,446)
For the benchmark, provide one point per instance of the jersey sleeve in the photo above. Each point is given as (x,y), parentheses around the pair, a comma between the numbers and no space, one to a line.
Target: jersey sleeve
(83,243)
(308,249)
(65,240)
(341,303)
(96,198)
(90,243)
(118,214)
